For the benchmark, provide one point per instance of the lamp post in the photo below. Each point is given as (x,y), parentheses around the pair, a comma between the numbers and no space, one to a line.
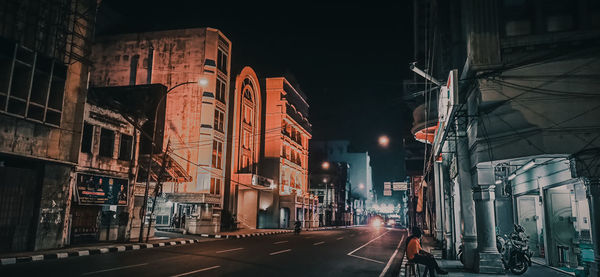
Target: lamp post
(202,82)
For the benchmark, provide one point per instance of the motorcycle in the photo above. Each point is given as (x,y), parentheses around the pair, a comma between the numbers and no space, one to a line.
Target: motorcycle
(514,249)
(460,254)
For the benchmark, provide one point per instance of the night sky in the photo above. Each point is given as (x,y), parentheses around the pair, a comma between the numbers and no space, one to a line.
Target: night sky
(349,58)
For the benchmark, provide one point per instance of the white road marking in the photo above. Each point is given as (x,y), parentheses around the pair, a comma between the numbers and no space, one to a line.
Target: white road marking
(278,242)
(387,266)
(279,252)
(367,259)
(113,269)
(317,243)
(351,254)
(229,250)
(339,238)
(196,271)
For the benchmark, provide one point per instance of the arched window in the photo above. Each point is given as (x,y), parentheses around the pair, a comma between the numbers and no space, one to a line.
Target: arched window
(248,95)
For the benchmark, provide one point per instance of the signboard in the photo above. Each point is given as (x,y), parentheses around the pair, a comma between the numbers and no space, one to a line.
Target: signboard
(399,186)
(448,102)
(101,190)
(387,192)
(387,185)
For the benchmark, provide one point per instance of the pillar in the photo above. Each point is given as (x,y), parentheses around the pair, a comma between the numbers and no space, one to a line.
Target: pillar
(447,210)
(593,189)
(487,258)
(467,206)
(439,203)
(586,165)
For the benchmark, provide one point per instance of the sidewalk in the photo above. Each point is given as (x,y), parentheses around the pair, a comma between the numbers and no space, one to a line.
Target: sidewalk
(455,267)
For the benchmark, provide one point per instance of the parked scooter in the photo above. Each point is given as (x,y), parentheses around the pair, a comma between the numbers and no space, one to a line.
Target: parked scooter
(514,249)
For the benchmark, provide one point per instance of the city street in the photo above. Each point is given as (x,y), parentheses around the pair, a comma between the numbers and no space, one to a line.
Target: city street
(361,251)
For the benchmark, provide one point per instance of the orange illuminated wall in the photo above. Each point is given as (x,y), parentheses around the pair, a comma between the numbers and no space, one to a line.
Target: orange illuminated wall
(287,133)
(196,115)
(247,122)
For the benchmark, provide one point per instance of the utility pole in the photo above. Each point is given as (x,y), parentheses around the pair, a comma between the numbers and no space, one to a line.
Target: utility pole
(158,187)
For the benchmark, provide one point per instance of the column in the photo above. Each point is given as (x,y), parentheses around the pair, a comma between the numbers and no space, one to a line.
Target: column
(439,203)
(593,189)
(586,164)
(487,258)
(467,206)
(447,210)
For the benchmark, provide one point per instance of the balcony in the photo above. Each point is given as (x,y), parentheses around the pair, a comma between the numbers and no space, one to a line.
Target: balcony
(424,126)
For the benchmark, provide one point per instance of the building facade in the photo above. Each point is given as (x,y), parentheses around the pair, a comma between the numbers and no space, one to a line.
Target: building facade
(106,168)
(360,175)
(253,198)
(330,182)
(43,84)
(287,133)
(194,64)
(513,129)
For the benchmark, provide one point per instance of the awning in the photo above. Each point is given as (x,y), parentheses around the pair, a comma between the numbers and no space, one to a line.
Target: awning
(174,172)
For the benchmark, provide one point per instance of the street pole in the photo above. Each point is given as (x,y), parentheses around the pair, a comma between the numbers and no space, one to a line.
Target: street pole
(145,202)
(158,187)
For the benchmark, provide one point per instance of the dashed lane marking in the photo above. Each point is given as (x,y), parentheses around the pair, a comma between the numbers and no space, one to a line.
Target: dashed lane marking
(196,271)
(339,238)
(317,243)
(229,250)
(279,252)
(278,242)
(113,269)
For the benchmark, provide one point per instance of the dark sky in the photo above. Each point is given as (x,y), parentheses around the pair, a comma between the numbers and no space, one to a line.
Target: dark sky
(349,58)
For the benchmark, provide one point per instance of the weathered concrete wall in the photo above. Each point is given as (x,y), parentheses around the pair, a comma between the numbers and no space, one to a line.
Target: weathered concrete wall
(179,56)
(539,109)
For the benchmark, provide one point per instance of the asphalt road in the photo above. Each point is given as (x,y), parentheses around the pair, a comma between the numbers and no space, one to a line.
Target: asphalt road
(361,251)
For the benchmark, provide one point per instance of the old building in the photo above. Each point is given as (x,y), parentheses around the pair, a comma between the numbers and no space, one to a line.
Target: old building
(44,68)
(194,64)
(287,133)
(513,125)
(253,198)
(106,168)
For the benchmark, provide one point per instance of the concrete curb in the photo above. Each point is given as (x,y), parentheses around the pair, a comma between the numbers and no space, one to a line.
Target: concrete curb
(260,234)
(122,248)
(554,268)
(92,251)
(137,246)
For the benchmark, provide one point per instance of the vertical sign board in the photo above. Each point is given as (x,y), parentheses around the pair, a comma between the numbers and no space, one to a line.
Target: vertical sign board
(101,190)
(387,192)
(387,189)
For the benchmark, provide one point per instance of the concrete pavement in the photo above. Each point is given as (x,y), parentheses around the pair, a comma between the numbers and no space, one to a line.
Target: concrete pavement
(362,251)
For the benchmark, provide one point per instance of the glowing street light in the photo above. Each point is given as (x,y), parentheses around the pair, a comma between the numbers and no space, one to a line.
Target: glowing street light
(384,141)
(361,186)
(325,165)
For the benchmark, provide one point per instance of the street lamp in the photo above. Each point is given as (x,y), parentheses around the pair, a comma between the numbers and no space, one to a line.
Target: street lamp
(202,82)
(325,165)
(383,141)
(361,186)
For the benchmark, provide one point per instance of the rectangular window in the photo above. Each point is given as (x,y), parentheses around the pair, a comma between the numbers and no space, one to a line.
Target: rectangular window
(218,124)
(126,147)
(107,143)
(222,61)
(246,139)
(36,83)
(86,138)
(220,91)
(215,186)
(217,154)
